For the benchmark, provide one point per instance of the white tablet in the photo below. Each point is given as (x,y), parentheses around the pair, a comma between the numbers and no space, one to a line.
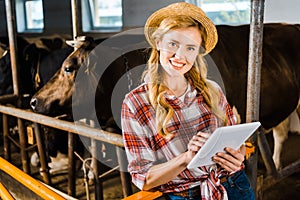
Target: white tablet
(226,136)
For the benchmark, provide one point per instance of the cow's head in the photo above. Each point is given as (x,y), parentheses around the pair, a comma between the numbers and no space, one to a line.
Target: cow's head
(57,93)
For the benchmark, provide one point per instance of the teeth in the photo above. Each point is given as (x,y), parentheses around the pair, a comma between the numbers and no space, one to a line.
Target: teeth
(176,64)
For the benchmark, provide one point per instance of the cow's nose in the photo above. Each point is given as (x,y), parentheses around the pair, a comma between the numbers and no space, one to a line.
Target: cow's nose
(33,103)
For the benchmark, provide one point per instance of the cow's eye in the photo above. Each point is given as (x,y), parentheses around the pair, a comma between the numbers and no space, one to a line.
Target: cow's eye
(69,69)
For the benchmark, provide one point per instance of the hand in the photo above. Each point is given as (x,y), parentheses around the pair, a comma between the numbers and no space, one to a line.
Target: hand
(232,160)
(196,143)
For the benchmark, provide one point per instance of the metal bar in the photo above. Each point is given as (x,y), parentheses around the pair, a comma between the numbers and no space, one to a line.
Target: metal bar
(11,139)
(6,141)
(42,154)
(266,153)
(98,183)
(125,176)
(74,18)
(109,171)
(23,145)
(71,165)
(11,28)
(8,98)
(4,193)
(97,134)
(285,172)
(29,182)
(253,84)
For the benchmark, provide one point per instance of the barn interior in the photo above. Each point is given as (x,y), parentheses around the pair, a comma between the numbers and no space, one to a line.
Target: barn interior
(50,25)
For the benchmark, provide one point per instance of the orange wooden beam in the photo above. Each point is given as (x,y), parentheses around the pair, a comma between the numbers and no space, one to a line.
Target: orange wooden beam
(29,182)
(144,195)
(4,193)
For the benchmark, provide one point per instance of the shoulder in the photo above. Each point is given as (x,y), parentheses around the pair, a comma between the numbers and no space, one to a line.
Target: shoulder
(141,90)
(137,97)
(215,86)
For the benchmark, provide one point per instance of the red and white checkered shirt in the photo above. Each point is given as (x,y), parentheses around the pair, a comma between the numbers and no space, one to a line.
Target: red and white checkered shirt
(145,147)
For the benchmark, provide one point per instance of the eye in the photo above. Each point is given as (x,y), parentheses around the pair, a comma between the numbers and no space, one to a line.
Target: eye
(69,69)
(172,44)
(191,48)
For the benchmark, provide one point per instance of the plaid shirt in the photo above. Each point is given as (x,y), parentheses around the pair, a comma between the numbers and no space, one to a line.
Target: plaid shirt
(145,147)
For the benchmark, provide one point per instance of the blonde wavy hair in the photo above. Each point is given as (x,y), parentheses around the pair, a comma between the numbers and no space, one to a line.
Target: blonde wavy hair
(197,75)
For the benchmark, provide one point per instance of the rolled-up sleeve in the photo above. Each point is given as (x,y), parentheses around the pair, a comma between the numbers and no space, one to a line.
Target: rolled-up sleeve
(137,145)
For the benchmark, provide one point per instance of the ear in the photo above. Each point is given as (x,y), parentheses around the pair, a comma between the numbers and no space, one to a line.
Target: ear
(157,43)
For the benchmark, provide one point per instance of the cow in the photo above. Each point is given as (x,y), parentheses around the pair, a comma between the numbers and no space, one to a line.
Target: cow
(33,63)
(6,86)
(37,63)
(280,75)
(43,67)
(280,133)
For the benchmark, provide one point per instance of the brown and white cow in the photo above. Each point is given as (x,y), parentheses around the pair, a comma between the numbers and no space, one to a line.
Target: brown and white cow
(280,134)
(280,75)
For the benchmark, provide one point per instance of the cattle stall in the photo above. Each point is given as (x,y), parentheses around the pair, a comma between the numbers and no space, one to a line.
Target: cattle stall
(272,177)
(93,134)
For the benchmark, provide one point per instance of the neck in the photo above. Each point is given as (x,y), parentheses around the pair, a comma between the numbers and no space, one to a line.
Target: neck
(177,85)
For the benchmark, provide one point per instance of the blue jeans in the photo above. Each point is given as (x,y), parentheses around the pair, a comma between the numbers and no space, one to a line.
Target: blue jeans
(238,187)
(174,197)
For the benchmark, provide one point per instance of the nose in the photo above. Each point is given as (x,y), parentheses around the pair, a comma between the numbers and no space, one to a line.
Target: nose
(33,103)
(180,53)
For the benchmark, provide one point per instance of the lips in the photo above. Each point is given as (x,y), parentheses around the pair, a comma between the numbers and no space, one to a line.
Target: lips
(177,64)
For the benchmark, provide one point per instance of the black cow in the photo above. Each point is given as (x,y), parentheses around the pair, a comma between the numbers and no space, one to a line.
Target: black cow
(5,68)
(33,63)
(37,63)
(280,75)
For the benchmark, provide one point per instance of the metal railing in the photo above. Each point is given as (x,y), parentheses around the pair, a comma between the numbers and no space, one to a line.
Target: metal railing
(72,128)
(93,133)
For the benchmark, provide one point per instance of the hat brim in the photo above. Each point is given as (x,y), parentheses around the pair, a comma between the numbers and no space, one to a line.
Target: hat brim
(186,9)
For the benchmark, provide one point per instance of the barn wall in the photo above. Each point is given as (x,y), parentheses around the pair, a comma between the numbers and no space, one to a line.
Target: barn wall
(136,12)
(58,15)
(61,12)
(282,11)
(3,26)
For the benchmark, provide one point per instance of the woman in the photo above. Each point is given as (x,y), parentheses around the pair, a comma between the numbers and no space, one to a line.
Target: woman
(167,119)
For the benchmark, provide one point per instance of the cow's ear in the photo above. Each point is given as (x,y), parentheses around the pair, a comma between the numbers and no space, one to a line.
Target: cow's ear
(82,41)
(72,43)
(89,42)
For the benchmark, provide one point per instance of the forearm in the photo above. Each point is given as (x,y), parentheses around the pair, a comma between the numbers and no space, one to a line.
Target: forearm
(165,172)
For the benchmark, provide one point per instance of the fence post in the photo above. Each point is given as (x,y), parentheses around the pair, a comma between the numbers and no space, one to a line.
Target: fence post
(253,85)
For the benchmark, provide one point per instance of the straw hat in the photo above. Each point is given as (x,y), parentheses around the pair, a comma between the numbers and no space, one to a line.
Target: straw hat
(186,9)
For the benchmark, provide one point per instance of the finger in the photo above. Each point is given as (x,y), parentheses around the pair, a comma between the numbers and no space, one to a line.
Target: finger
(193,148)
(242,149)
(203,134)
(228,160)
(235,153)
(200,139)
(225,164)
(195,145)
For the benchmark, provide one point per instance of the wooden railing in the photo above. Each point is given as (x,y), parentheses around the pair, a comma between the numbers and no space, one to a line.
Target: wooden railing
(72,128)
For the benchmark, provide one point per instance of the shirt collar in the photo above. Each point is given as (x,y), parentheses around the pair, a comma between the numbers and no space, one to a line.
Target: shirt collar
(188,99)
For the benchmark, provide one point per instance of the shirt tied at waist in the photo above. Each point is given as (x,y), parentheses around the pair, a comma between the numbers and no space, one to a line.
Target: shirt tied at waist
(211,187)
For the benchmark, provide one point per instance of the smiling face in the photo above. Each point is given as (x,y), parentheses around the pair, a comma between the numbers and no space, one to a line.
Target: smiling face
(178,50)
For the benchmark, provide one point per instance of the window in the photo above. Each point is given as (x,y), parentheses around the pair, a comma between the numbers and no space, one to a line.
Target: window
(30,16)
(34,14)
(103,15)
(232,12)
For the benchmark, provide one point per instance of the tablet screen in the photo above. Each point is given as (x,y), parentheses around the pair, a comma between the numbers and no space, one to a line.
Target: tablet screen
(226,136)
